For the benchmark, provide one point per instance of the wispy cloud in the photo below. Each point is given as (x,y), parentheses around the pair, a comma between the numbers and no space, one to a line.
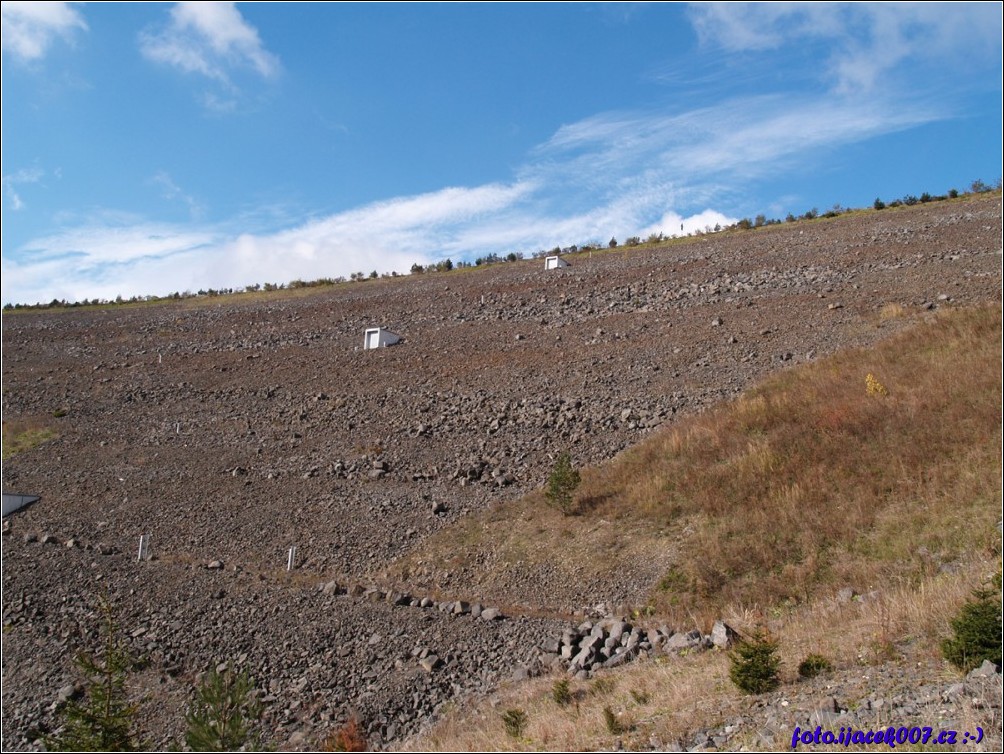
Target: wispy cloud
(92,246)
(172,192)
(105,260)
(739,138)
(10,182)
(29,28)
(860,42)
(614,174)
(126,255)
(213,40)
(617,173)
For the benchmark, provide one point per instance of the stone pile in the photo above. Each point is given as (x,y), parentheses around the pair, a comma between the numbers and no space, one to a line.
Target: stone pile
(404,599)
(612,642)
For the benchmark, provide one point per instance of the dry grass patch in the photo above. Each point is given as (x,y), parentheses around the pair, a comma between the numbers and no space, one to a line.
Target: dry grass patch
(768,506)
(885,623)
(19,436)
(821,477)
(663,699)
(516,553)
(668,699)
(891,311)
(817,479)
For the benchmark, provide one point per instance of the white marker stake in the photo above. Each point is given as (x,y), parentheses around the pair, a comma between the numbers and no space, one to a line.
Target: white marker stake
(291,561)
(144,548)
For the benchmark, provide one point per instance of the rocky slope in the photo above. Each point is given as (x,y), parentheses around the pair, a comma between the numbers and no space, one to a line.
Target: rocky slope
(231,430)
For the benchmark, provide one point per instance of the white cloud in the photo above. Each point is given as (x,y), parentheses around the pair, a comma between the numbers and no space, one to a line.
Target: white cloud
(128,257)
(674,224)
(427,212)
(29,28)
(743,137)
(765,26)
(213,40)
(25,175)
(60,278)
(90,247)
(172,192)
(614,174)
(864,41)
(103,261)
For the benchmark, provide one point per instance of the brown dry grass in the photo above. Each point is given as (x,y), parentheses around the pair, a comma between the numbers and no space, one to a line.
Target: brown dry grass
(669,696)
(520,541)
(808,483)
(891,311)
(662,701)
(349,737)
(811,480)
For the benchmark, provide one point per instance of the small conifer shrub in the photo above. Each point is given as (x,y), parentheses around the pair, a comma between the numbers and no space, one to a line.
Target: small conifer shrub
(614,726)
(561,485)
(641,697)
(560,693)
(514,721)
(977,630)
(755,663)
(224,708)
(813,665)
(104,719)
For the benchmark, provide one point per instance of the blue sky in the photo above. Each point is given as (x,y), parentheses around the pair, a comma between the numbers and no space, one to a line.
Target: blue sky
(151,148)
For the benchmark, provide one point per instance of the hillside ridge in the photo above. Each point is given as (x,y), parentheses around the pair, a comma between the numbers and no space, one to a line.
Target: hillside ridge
(230,431)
